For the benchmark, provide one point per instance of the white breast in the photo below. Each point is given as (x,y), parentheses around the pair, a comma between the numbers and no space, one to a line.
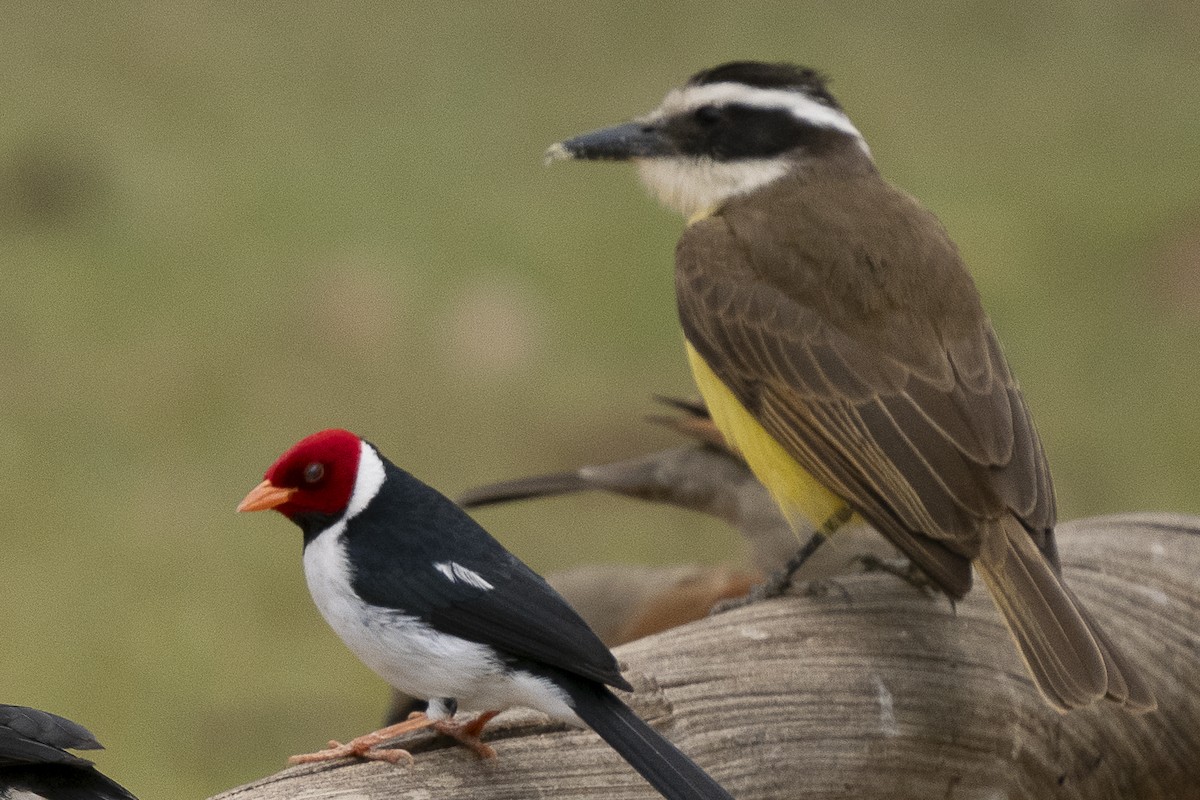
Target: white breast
(402,649)
(412,656)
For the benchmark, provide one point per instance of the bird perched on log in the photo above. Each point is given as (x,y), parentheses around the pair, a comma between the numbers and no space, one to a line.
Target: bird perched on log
(843,349)
(34,762)
(431,602)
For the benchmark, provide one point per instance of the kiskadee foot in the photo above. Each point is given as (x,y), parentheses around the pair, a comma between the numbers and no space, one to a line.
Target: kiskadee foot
(779,582)
(903,569)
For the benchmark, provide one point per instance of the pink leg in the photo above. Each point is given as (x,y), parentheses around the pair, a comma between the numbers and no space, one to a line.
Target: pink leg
(467,733)
(363,746)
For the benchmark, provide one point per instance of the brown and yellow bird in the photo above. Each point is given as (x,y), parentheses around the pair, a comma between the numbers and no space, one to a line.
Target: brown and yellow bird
(843,349)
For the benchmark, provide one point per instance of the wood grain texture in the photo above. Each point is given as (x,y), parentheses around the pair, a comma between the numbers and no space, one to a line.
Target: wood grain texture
(864,687)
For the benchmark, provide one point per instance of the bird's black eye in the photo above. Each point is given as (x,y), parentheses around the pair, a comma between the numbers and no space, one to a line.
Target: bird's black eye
(707,115)
(314,472)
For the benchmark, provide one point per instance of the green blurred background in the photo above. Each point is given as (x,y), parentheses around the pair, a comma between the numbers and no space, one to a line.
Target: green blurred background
(226,225)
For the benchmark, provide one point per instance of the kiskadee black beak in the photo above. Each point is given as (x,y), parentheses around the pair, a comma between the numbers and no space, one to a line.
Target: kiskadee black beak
(618,143)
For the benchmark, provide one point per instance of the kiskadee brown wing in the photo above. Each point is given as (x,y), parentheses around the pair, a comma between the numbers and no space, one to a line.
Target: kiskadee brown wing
(838,470)
(910,444)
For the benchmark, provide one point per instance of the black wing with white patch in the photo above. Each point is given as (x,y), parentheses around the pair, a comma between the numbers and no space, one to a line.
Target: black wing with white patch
(417,552)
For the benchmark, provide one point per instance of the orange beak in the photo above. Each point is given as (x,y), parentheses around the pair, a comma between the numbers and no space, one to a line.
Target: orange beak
(265,495)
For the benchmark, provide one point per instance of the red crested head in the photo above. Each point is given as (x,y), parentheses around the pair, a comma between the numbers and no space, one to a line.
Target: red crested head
(315,476)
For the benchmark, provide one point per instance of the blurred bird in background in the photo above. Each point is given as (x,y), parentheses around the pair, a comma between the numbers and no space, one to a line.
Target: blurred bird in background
(624,602)
(704,475)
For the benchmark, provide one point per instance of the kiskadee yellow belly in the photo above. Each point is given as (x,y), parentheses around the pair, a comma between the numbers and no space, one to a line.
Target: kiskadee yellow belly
(842,346)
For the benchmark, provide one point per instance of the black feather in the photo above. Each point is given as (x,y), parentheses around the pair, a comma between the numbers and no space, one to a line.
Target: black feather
(667,769)
(58,782)
(736,131)
(34,758)
(763,75)
(30,736)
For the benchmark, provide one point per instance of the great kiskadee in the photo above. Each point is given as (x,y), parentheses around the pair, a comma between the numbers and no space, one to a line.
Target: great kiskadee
(842,347)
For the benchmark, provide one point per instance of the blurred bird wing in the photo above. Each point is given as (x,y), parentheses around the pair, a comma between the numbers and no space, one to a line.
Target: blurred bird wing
(527,488)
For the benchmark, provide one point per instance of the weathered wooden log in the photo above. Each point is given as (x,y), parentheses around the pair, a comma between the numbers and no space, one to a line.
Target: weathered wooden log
(865,687)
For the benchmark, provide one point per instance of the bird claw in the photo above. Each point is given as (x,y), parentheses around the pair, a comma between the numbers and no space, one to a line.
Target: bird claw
(335,750)
(364,746)
(774,586)
(778,583)
(467,733)
(484,751)
(392,755)
(354,749)
(903,569)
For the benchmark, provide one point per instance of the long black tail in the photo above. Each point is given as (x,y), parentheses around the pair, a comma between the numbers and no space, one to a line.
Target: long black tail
(668,770)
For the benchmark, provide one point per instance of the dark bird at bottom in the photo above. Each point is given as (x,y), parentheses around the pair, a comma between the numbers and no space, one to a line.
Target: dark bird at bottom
(34,762)
(427,599)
